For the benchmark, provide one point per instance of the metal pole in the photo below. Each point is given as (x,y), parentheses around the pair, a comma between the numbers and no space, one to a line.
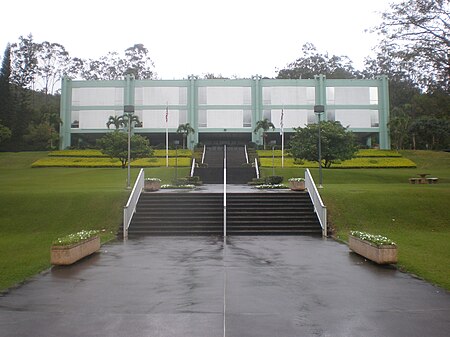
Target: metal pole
(273,160)
(320,156)
(129,150)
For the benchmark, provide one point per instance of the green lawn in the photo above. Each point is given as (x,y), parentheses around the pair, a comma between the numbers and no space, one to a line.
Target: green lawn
(40,205)
(381,201)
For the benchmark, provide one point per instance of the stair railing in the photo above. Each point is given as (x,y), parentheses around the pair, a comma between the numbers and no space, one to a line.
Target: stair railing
(192,167)
(256,168)
(130,208)
(246,154)
(203,154)
(224,191)
(319,207)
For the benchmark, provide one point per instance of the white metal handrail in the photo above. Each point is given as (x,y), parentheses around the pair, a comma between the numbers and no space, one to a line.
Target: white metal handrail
(130,208)
(256,168)
(224,191)
(192,167)
(246,154)
(319,207)
(203,154)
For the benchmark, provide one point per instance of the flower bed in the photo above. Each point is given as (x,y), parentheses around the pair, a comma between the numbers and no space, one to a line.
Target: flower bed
(73,247)
(152,184)
(376,248)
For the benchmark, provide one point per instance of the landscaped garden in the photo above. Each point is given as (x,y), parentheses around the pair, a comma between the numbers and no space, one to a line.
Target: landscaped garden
(41,205)
(382,201)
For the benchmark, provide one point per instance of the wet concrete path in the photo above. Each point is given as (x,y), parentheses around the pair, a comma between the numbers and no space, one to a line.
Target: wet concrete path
(252,286)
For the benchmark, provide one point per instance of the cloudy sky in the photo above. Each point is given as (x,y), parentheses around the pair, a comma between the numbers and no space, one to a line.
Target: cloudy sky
(228,37)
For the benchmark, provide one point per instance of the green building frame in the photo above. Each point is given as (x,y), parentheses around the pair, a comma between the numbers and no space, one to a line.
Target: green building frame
(256,106)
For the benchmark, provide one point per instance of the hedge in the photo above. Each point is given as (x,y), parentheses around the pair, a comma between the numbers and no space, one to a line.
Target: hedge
(107,162)
(382,162)
(360,153)
(98,154)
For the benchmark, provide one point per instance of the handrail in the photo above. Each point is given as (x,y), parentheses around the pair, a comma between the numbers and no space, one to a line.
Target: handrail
(203,154)
(246,153)
(130,208)
(256,168)
(224,191)
(192,167)
(319,207)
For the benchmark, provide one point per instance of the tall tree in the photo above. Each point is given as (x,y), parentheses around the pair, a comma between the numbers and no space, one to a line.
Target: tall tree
(24,62)
(53,63)
(185,130)
(312,63)
(264,125)
(138,62)
(6,103)
(416,37)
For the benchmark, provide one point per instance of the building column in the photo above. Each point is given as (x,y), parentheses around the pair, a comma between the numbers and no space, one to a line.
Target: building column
(192,118)
(256,107)
(383,113)
(65,113)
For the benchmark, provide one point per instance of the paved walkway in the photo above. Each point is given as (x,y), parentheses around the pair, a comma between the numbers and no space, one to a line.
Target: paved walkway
(250,286)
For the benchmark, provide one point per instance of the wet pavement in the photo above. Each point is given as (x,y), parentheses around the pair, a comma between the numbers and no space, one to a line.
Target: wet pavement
(250,286)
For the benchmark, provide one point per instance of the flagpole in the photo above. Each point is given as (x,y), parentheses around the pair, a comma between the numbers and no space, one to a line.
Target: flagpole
(282,137)
(167,134)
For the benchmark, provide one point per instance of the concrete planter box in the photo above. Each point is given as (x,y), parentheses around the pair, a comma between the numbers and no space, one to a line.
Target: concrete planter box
(297,185)
(65,255)
(151,186)
(385,254)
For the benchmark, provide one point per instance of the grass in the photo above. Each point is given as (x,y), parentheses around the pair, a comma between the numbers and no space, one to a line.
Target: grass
(38,206)
(381,201)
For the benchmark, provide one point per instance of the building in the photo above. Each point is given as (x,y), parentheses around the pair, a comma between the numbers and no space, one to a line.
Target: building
(224,110)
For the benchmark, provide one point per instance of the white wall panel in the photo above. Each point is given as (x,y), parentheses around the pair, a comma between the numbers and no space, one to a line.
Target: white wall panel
(225,118)
(157,119)
(291,119)
(94,119)
(97,96)
(354,118)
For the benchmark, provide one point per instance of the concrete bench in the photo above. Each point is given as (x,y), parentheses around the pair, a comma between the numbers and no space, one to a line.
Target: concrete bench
(432,180)
(414,180)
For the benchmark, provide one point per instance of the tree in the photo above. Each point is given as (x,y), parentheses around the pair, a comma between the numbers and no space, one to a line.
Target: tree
(313,63)
(41,136)
(24,62)
(117,121)
(337,143)
(416,36)
(115,145)
(138,63)
(6,103)
(399,125)
(53,61)
(430,133)
(264,125)
(5,133)
(185,130)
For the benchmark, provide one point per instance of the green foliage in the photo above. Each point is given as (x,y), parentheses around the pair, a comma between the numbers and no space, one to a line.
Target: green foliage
(172,153)
(77,153)
(5,133)
(185,130)
(377,153)
(264,125)
(115,145)
(41,136)
(377,240)
(74,238)
(337,143)
(107,162)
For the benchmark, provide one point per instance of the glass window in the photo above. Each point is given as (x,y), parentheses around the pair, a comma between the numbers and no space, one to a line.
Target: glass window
(288,95)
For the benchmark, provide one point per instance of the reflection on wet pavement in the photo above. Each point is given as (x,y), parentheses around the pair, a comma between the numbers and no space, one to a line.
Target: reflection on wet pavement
(243,286)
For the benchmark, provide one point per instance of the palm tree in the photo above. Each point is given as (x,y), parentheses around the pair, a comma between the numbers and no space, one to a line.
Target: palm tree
(265,125)
(117,121)
(185,130)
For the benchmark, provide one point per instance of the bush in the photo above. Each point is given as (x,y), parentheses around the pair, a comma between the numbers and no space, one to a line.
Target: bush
(274,180)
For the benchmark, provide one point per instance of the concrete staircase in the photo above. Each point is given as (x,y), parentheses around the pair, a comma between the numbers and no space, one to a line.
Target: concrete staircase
(236,174)
(194,213)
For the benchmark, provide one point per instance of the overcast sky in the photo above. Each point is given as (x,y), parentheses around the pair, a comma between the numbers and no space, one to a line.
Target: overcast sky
(228,37)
